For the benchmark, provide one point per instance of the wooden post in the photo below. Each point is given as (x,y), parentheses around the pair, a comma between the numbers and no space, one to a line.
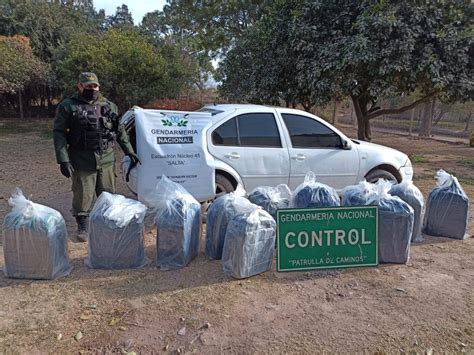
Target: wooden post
(20,103)
(411,121)
(334,112)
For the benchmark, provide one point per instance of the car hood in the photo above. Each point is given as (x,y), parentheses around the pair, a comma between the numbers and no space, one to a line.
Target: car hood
(372,149)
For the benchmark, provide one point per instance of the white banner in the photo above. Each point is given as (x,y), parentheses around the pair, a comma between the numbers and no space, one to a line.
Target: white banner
(173,143)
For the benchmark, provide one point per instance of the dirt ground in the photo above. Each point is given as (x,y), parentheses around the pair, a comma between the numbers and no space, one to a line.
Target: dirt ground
(422,307)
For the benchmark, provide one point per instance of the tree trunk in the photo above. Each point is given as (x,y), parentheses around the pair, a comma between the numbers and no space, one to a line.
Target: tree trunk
(425,128)
(334,111)
(306,107)
(363,124)
(468,120)
(20,105)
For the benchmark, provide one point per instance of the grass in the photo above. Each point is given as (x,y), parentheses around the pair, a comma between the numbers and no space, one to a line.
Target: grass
(42,128)
(416,158)
(468,163)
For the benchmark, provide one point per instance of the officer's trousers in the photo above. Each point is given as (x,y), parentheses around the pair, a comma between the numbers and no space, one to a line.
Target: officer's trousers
(87,184)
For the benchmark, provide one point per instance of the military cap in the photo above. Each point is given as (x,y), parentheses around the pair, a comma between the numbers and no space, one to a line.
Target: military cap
(87,78)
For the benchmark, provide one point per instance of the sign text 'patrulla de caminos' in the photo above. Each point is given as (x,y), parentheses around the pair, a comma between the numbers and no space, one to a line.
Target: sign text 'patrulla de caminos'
(323,238)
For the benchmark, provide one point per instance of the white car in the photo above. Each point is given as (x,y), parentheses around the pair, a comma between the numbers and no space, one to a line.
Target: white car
(257,145)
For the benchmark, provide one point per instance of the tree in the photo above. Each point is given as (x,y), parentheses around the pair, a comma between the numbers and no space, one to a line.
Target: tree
(260,68)
(373,50)
(49,25)
(19,67)
(203,30)
(122,17)
(360,49)
(130,68)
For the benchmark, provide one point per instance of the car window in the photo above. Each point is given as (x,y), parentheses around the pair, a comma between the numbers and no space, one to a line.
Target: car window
(306,132)
(248,130)
(258,130)
(226,133)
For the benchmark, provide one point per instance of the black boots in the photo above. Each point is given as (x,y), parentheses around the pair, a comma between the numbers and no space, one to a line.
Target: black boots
(82,224)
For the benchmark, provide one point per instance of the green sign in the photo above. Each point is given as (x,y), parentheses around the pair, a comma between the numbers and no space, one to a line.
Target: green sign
(327,238)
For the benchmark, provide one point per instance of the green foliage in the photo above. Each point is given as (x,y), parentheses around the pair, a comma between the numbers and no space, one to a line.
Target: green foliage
(18,65)
(358,49)
(202,30)
(261,68)
(130,69)
(416,158)
(122,18)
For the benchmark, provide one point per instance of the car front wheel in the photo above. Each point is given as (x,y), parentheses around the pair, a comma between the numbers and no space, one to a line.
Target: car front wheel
(377,174)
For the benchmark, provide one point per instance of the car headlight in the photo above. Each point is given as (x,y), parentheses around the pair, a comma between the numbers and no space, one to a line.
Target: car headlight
(406,171)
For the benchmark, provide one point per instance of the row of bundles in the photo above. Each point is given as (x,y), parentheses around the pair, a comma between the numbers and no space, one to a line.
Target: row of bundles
(309,194)
(241,234)
(401,206)
(34,241)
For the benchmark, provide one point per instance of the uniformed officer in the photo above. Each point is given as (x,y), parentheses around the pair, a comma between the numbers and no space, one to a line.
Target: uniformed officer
(85,128)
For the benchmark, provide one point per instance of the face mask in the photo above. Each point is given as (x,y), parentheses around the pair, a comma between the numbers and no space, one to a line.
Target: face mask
(90,94)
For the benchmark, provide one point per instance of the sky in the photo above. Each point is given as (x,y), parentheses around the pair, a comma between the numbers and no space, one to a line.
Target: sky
(136,7)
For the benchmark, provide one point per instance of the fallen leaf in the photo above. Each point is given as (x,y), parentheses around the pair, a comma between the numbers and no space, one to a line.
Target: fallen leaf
(78,336)
(114,321)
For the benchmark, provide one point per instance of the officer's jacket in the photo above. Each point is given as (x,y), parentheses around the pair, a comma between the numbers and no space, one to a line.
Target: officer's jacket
(84,133)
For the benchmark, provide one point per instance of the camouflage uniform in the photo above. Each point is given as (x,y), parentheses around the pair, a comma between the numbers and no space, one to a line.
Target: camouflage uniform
(90,151)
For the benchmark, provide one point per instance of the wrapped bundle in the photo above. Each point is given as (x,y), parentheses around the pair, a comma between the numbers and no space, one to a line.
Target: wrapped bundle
(312,194)
(357,195)
(249,244)
(409,193)
(34,241)
(271,198)
(116,233)
(447,208)
(395,224)
(221,211)
(178,221)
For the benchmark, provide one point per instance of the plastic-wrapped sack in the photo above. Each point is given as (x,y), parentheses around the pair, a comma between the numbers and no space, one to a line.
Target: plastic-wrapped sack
(447,208)
(249,244)
(178,221)
(271,198)
(312,194)
(219,214)
(34,241)
(116,233)
(409,193)
(358,195)
(396,219)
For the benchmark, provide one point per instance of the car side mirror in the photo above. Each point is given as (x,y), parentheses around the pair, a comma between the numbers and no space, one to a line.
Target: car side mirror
(346,145)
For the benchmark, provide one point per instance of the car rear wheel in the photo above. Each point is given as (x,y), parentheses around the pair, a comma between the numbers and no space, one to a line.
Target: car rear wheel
(223,185)
(377,174)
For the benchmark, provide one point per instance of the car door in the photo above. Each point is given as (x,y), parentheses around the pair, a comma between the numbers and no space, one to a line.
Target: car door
(315,146)
(250,142)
